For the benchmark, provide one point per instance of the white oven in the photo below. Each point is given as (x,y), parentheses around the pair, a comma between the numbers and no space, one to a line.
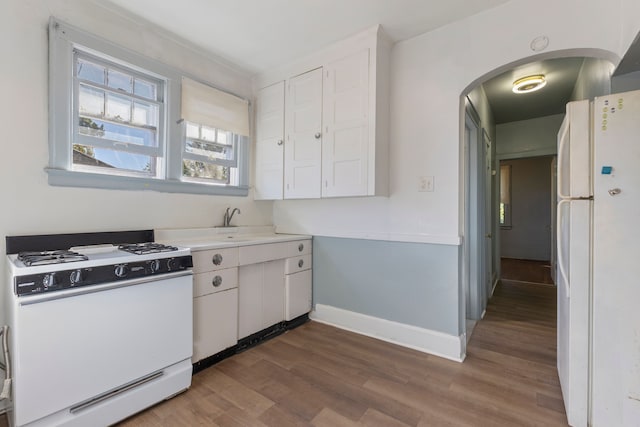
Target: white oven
(95,353)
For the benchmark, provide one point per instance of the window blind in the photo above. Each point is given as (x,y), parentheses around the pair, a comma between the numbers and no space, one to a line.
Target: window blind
(205,105)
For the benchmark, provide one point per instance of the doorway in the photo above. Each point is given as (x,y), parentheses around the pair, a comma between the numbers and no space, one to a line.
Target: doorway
(526,223)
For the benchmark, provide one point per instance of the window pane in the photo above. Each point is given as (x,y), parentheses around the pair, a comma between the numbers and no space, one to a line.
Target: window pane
(193,131)
(118,132)
(208,133)
(118,107)
(119,81)
(91,101)
(112,159)
(223,137)
(89,127)
(144,88)
(211,150)
(145,114)
(90,71)
(195,169)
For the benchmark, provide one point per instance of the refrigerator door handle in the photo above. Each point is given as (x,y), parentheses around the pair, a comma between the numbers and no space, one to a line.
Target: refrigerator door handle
(561,267)
(562,141)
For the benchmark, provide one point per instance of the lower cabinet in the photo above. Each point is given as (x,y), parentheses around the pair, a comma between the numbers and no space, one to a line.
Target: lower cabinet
(260,296)
(297,294)
(214,323)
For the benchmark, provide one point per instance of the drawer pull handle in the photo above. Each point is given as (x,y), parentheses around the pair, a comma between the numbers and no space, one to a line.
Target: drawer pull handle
(217,281)
(217,259)
(300,263)
(300,247)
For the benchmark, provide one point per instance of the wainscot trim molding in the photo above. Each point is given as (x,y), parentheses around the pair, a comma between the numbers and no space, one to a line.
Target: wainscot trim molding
(425,340)
(389,237)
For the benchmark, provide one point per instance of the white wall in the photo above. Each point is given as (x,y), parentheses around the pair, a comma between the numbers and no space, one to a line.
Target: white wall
(29,204)
(428,75)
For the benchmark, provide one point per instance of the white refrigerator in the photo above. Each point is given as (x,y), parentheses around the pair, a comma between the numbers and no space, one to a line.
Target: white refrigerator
(598,256)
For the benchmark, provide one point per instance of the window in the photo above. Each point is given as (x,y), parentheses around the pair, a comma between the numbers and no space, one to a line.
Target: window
(119,112)
(216,124)
(505,195)
(121,120)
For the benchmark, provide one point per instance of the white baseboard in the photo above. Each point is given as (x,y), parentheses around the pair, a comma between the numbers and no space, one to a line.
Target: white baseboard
(493,288)
(437,343)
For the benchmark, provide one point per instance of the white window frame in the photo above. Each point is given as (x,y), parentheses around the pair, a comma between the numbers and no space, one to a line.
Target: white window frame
(63,121)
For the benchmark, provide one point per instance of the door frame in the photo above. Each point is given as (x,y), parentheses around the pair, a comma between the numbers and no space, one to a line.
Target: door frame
(474,265)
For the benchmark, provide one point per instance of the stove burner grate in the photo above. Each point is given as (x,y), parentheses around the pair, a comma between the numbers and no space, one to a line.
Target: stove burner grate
(146,248)
(50,257)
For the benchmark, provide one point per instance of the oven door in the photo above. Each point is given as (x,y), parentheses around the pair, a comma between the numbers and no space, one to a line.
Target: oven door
(72,346)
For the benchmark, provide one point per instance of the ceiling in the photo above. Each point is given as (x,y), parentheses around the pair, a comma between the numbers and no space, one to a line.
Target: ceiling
(257,35)
(561,75)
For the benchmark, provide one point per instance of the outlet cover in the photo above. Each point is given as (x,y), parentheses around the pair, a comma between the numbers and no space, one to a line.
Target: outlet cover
(425,183)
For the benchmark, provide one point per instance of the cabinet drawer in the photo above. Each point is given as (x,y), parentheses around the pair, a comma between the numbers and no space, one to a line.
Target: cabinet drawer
(298,247)
(299,263)
(214,259)
(255,254)
(214,281)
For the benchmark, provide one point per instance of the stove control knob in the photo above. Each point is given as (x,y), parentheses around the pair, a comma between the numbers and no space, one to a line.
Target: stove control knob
(122,270)
(154,265)
(49,280)
(172,264)
(76,276)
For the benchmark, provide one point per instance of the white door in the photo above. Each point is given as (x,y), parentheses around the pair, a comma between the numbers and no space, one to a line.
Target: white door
(249,300)
(298,294)
(346,126)
(616,293)
(272,293)
(270,142)
(303,145)
(574,261)
(573,284)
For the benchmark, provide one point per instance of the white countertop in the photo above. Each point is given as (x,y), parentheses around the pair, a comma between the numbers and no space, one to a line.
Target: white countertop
(222,237)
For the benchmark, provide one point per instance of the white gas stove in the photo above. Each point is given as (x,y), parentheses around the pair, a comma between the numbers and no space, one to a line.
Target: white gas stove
(98,332)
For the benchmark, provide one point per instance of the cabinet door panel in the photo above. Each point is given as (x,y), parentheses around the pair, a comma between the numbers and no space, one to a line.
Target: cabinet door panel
(346,124)
(270,142)
(215,326)
(298,294)
(249,300)
(273,293)
(303,151)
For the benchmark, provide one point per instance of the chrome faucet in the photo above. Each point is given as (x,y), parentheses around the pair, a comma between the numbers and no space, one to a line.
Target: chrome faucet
(226,221)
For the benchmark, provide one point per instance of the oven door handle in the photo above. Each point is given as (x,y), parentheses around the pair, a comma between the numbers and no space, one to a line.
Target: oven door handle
(69,293)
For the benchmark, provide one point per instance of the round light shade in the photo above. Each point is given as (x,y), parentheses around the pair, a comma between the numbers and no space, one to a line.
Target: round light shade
(529,84)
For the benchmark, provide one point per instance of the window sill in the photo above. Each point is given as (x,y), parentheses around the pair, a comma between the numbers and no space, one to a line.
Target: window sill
(65,178)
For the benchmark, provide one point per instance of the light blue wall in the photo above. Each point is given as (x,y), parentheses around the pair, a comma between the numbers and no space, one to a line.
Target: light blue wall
(411,283)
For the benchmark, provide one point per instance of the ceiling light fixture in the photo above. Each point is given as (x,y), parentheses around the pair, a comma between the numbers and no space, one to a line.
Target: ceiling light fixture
(529,84)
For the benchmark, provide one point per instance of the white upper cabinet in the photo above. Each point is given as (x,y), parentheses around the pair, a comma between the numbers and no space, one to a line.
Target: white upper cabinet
(303,144)
(269,142)
(345,145)
(336,121)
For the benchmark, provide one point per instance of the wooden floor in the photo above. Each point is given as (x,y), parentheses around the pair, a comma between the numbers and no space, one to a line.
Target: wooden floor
(322,376)
(317,375)
(524,270)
